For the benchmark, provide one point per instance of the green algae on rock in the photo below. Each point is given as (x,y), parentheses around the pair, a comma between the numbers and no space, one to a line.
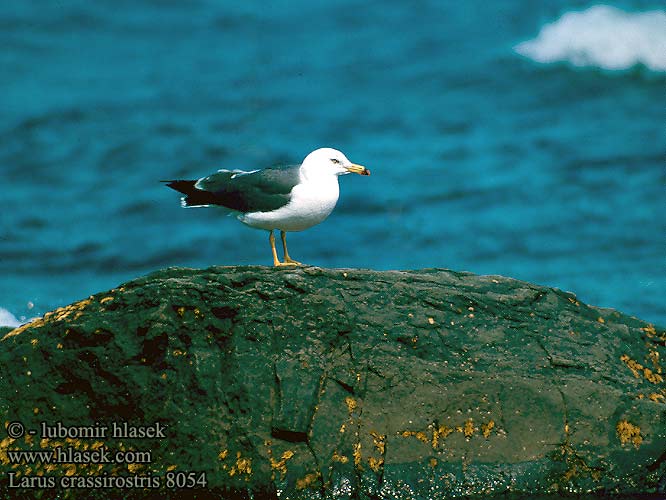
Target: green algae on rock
(313,383)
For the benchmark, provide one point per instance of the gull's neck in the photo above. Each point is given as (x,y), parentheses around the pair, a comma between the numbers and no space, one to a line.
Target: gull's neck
(311,174)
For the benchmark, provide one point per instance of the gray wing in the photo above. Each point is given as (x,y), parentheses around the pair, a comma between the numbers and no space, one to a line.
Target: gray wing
(257,191)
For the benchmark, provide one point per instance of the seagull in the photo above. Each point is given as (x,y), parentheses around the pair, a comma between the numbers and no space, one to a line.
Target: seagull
(288,198)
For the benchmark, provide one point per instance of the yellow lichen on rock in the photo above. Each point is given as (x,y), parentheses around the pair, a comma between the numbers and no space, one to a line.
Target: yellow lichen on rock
(654,357)
(307,481)
(637,369)
(375,463)
(78,307)
(629,433)
(133,468)
(633,365)
(4,446)
(487,428)
(657,397)
(650,330)
(57,315)
(351,404)
(653,377)
(468,429)
(281,465)
(421,436)
(439,432)
(35,323)
(339,458)
(379,441)
(357,454)
(242,466)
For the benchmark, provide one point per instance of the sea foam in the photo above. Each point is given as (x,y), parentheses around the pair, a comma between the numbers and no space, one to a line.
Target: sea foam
(8,319)
(604,37)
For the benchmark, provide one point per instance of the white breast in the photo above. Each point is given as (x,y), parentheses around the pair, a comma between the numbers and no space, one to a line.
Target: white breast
(311,202)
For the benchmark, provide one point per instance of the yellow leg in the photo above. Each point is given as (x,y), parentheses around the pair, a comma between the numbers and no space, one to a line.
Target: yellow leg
(271,240)
(276,262)
(287,259)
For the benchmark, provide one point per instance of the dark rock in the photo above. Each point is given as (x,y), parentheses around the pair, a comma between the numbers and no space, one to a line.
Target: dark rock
(312,383)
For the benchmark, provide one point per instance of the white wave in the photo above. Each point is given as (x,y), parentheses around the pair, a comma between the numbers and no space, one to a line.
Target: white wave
(8,319)
(602,36)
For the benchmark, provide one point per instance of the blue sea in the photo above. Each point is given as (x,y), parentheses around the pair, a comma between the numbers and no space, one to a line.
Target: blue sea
(524,139)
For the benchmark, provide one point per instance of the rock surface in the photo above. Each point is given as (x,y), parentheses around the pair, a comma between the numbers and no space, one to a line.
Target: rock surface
(312,383)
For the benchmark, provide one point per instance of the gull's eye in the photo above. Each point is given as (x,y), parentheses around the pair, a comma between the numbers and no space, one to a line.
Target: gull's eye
(336,161)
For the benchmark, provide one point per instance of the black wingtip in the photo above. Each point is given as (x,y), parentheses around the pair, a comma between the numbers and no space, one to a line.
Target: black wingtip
(193,197)
(185,187)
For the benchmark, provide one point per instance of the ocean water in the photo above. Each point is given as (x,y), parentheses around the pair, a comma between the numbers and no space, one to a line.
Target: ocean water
(517,138)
